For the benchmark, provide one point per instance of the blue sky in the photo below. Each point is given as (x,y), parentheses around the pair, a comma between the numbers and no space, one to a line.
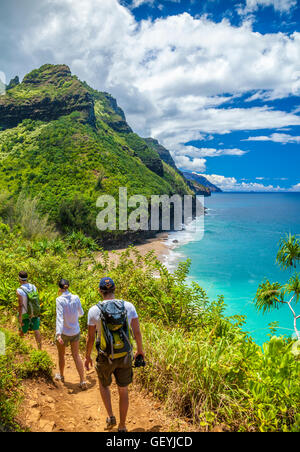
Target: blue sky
(274,160)
(216,82)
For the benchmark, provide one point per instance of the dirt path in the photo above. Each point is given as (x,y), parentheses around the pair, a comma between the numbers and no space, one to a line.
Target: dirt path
(57,407)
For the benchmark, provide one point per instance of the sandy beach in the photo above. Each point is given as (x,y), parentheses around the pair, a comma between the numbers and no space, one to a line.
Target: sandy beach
(158,244)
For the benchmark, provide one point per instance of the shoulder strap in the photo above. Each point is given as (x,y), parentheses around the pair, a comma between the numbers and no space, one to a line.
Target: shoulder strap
(26,291)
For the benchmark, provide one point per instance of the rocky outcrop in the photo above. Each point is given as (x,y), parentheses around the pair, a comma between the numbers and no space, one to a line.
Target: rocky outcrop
(198,189)
(46,94)
(162,152)
(14,82)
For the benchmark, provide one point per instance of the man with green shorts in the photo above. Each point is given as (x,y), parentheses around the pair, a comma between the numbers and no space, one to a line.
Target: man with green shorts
(25,322)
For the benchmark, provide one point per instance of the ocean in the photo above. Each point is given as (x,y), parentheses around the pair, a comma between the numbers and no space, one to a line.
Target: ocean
(238,251)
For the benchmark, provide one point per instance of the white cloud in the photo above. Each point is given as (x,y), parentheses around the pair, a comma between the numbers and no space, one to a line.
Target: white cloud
(137,3)
(193,151)
(296,188)
(283,6)
(170,75)
(232,184)
(185,163)
(276,138)
(210,152)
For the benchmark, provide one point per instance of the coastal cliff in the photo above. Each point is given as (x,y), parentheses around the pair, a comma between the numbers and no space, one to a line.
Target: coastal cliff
(67,144)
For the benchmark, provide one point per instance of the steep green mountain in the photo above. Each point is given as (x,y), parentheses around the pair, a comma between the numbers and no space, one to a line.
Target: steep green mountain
(67,144)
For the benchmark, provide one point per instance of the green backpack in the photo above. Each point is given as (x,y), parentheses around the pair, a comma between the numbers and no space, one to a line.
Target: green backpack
(33,303)
(114,340)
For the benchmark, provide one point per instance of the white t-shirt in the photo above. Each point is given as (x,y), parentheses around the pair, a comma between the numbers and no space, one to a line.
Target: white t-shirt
(94,315)
(29,288)
(68,311)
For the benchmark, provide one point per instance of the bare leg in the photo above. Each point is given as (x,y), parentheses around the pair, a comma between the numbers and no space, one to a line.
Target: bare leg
(106,399)
(124,405)
(77,360)
(61,358)
(38,338)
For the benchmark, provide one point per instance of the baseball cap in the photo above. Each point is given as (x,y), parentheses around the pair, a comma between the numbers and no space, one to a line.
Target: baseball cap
(106,284)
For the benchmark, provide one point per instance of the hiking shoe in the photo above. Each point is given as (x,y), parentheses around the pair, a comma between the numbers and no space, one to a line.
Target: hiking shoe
(111,422)
(58,377)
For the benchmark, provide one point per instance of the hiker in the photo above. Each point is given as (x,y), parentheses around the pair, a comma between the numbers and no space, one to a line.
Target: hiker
(114,347)
(29,309)
(68,311)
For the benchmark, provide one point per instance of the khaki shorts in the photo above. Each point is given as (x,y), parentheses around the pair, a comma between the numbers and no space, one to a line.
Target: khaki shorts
(121,368)
(70,339)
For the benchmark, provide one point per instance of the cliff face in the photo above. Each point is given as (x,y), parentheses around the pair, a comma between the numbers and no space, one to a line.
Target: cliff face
(45,94)
(162,151)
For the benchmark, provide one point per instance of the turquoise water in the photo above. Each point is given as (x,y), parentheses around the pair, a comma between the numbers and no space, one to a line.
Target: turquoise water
(239,250)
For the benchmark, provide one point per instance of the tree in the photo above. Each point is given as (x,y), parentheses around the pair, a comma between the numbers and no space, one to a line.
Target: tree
(82,246)
(271,296)
(289,252)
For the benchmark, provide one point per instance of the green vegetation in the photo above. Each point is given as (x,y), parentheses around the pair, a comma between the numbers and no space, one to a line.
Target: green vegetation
(274,295)
(19,362)
(201,364)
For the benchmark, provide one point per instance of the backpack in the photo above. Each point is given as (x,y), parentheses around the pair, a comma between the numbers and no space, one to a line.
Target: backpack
(33,302)
(114,338)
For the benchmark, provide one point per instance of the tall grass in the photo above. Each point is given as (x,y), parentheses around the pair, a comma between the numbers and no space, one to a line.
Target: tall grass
(24,213)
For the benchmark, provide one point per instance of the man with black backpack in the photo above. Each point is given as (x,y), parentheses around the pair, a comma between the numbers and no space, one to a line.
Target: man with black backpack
(29,308)
(113,320)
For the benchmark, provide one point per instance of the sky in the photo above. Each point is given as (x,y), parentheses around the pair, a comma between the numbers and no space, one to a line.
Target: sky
(217,82)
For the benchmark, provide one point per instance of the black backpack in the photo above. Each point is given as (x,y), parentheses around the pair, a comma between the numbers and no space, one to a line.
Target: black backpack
(114,340)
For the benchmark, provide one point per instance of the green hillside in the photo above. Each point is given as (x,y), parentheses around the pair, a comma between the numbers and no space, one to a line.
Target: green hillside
(65,143)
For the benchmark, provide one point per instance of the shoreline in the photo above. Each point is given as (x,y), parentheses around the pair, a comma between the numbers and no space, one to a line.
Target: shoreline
(158,244)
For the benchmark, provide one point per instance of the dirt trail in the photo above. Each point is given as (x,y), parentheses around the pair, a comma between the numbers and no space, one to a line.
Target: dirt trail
(57,407)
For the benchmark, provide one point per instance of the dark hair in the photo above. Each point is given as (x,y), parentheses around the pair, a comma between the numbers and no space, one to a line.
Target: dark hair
(64,284)
(23,276)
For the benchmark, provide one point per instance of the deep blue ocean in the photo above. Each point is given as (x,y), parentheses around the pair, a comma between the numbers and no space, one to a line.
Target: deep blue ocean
(238,251)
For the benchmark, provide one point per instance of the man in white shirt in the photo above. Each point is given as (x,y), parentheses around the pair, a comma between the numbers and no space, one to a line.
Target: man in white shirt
(26,323)
(120,367)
